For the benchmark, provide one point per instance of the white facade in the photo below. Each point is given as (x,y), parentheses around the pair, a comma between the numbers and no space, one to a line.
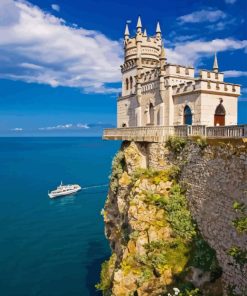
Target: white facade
(161,94)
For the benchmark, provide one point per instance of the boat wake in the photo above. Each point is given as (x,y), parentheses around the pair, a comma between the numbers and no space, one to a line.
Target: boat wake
(94,186)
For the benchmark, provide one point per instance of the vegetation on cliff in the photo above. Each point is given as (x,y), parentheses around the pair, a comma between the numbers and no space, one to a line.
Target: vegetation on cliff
(156,245)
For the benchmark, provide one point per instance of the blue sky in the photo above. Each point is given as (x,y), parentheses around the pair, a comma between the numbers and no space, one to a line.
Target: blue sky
(59,60)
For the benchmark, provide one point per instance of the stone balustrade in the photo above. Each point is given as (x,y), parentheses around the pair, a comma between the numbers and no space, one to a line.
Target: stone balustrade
(161,133)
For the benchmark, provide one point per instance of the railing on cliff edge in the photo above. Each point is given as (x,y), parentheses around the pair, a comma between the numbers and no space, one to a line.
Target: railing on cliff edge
(161,133)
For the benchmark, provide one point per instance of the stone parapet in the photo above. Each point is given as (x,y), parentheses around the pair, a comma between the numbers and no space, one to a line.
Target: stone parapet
(161,133)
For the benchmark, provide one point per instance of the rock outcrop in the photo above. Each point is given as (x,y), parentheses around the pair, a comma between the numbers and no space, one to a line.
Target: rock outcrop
(169,220)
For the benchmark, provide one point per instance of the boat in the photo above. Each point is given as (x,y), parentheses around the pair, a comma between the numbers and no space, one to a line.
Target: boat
(63,190)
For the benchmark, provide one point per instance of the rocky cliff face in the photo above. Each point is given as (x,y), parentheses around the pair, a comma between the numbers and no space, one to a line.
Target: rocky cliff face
(169,220)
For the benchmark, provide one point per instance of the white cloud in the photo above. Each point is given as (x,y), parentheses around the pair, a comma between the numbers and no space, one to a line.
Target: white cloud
(230,1)
(221,25)
(55,7)
(190,53)
(235,73)
(17,129)
(31,66)
(57,127)
(80,125)
(36,46)
(204,15)
(65,127)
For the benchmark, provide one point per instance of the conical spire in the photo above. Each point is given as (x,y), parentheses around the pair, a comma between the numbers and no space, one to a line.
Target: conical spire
(158,30)
(145,33)
(215,66)
(126,32)
(139,25)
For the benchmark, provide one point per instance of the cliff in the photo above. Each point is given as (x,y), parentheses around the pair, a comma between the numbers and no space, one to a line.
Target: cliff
(175,217)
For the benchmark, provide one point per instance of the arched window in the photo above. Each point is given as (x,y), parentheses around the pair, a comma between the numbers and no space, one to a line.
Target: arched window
(187,115)
(127,83)
(131,82)
(220,113)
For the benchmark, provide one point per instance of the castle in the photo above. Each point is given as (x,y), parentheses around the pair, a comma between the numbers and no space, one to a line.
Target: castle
(157,93)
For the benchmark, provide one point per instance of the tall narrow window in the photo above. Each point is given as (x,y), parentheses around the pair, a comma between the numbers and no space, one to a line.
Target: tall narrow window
(127,84)
(131,82)
(187,115)
(220,113)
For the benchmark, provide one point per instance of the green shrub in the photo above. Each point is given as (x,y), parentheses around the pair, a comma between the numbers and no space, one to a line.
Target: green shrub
(240,224)
(204,257)
(201,142)
(239,255)
(193,292)
(105,276)
(162,255)
(176,144)
(239,207)
(118,165)
(174,173)
(178,214)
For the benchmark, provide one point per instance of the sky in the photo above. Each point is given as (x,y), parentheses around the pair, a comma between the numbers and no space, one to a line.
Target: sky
(60,60)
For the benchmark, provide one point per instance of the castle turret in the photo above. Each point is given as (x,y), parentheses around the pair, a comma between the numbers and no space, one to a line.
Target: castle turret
(215,66)
(141,46)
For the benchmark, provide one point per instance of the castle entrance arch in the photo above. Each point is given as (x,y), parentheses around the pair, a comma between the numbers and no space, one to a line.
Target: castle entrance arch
(219,116)
(187,115)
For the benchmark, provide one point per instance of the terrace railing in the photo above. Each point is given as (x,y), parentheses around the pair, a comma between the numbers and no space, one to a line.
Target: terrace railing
(161,133)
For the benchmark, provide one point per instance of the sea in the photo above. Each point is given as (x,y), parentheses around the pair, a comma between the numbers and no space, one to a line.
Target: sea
(52,247)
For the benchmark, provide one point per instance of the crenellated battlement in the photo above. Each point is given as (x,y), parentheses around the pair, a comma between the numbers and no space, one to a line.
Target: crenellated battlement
(178,70)
(211,75)
(202,85)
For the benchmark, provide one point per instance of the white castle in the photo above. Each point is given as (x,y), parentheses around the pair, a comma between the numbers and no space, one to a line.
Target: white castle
(157,93)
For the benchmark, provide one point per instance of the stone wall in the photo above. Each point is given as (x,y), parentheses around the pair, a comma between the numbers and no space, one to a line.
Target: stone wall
(215,178)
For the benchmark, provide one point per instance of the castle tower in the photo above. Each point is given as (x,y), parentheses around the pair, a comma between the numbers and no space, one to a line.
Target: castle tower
(157,93)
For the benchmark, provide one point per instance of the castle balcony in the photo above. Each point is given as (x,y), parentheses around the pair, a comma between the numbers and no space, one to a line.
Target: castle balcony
(161,133)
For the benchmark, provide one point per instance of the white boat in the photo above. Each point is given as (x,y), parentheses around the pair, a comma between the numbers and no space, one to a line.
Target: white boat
(64,190)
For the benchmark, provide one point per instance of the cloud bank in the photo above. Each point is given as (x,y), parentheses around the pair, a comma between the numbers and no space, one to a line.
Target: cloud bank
(36,46)
(191,52)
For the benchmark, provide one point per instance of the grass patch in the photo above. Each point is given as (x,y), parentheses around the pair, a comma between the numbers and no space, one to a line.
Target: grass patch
(176,144)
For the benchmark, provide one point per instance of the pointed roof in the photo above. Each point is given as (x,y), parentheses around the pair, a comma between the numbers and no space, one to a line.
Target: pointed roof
(158,30)
(215,66)
(139,23)
(145,33)
(126,32)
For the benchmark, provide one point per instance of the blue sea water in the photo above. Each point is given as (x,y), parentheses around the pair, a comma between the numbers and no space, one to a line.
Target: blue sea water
(52,247)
